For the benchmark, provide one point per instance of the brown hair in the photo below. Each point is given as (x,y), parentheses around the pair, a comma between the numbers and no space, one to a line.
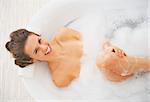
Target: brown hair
(16,47)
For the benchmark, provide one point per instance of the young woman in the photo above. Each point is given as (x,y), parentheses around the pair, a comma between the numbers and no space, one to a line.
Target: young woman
(63,53)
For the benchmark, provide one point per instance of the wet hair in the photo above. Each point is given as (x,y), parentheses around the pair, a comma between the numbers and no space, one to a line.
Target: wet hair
(16,47)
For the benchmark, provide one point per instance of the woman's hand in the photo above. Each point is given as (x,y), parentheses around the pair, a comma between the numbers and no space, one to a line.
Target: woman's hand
(112,59)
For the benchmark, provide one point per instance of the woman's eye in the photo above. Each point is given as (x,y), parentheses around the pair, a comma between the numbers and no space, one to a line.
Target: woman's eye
(36,50)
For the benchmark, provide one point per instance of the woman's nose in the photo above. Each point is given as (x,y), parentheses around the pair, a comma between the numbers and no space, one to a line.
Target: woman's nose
(43,48)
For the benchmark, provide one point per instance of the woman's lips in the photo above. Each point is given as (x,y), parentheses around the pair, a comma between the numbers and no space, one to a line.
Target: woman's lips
(48,50)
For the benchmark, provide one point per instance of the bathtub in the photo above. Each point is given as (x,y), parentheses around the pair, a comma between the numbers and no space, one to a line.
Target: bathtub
(120,21)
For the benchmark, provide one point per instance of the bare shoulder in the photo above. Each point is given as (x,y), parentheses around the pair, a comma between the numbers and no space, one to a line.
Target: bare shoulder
(69,30)
(68,34)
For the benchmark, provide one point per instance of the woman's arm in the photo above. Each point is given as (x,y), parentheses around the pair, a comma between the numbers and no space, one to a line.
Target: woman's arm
(60,79)
(138,64)
(65,72)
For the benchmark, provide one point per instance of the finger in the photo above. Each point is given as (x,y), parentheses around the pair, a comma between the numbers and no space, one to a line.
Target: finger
(119,52)
(122,53)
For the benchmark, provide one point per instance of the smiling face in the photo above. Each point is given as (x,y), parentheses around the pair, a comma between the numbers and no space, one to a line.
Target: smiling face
(37,47)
